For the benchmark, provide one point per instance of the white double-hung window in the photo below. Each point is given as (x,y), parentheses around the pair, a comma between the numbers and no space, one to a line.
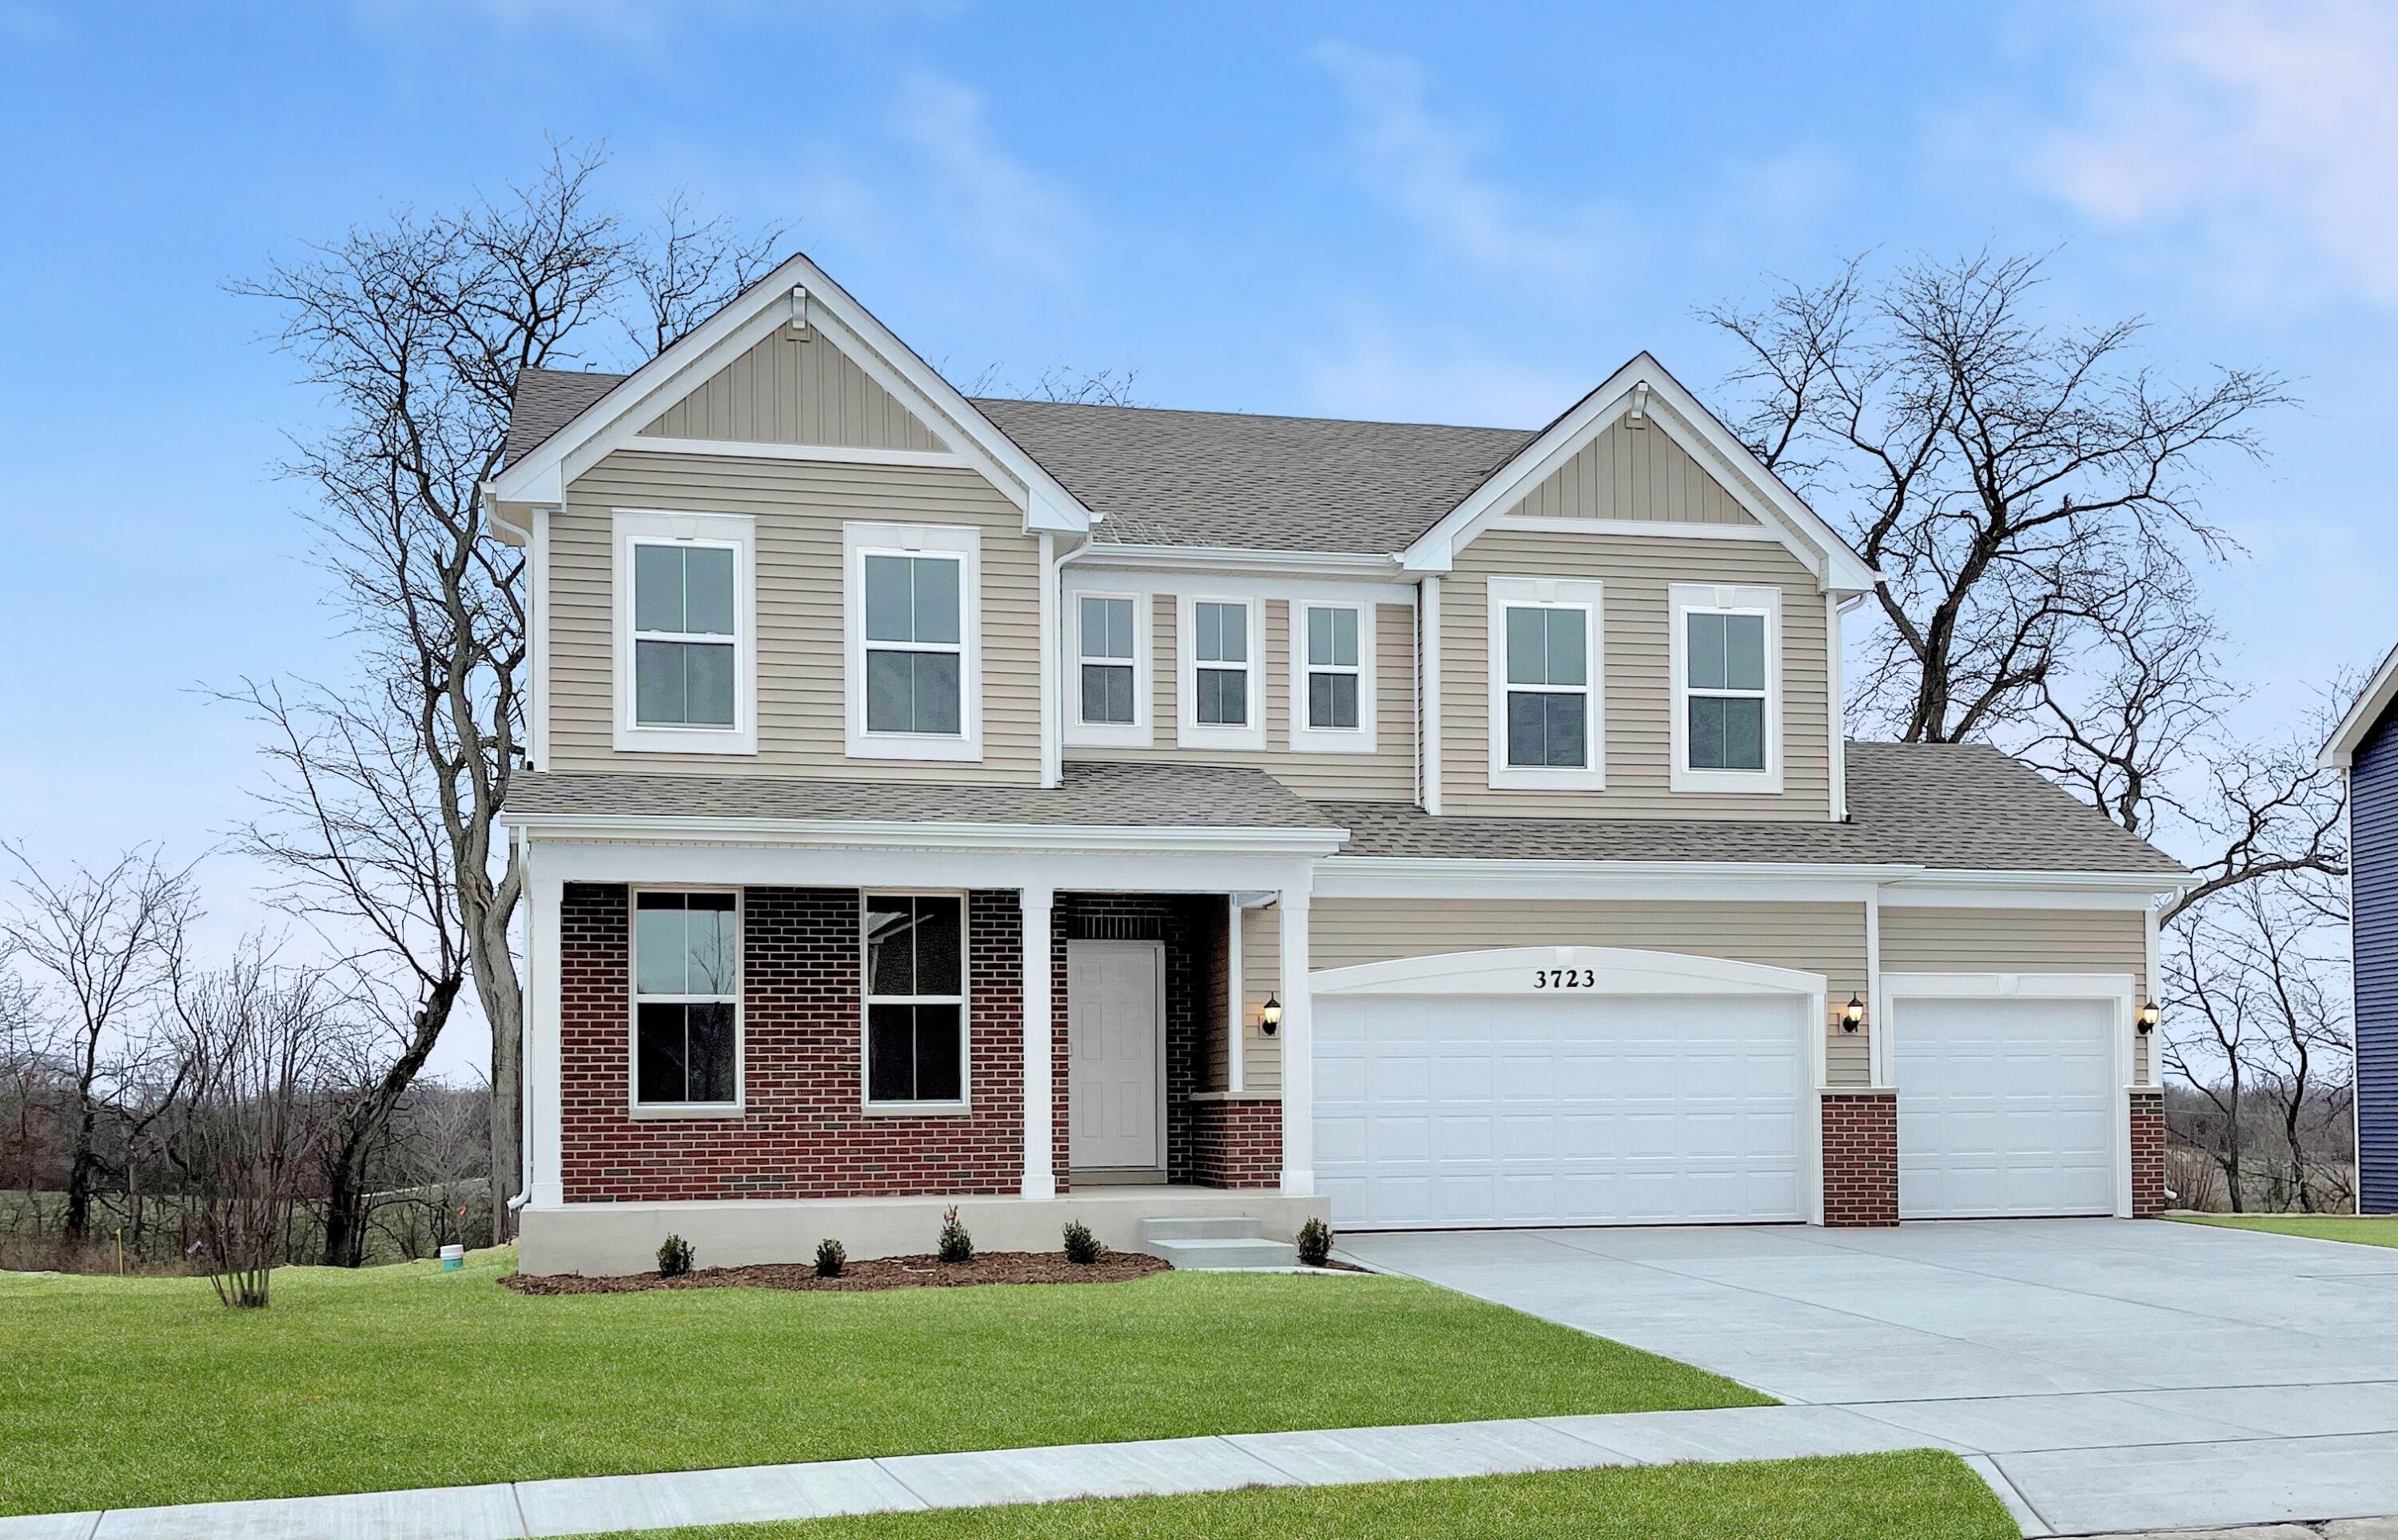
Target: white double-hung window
(914,619)
(686,630)
(915,993)
(1332,667)
(1222,694)
(1727,665)
(686,1003)
(1108,694)
(1548,696)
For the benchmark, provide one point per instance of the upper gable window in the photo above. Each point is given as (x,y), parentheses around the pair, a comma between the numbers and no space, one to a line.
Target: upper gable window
(1548,702)
(685,602)
(1726,668)
(1223,705)
(1332,662)
(914,619)
(1109,696)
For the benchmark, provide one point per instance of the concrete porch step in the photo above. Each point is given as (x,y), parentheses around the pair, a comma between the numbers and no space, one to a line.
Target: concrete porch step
(1231,1227)
(1225,1252)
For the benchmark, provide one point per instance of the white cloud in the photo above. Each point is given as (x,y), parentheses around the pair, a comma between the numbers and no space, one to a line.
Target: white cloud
(1425,168)
(1416,374)
(997,204)
(2268,133)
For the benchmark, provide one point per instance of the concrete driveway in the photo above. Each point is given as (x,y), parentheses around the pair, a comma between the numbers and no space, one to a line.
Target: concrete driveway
(2107,1374)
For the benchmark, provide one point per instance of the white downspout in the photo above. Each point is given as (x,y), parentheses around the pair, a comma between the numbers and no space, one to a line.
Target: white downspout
(1428,676)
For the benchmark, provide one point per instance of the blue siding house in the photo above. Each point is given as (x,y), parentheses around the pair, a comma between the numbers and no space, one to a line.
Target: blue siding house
(2367,746)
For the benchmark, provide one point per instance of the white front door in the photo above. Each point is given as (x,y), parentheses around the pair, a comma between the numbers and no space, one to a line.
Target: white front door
(1115,1034)
(2006,1108)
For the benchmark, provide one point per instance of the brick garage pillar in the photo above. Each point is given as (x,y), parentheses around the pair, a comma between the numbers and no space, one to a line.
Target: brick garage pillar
(1235,1140)
(2147,1152)
(1860,1158)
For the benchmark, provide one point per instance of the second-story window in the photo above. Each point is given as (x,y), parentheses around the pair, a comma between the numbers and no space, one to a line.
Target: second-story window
(1107,660)
(683,631)
(1332,700)
(1545,692)
(1221,659)
(1332,667)
(1727,663)
(913,617)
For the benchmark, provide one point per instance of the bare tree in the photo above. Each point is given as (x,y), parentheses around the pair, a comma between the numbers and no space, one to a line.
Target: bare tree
(690,268)
(1061,383)
(417,329)
(103,942)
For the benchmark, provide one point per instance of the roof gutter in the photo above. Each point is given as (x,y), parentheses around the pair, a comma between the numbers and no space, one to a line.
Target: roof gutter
(911,834)
(1100,553)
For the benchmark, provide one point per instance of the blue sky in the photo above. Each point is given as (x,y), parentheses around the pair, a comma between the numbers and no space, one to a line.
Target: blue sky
(1367,210)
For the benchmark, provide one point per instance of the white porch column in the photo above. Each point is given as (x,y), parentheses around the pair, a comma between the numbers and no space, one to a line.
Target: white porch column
(1298,1049)
(1040,1180)
(1428,687)
(544,1082)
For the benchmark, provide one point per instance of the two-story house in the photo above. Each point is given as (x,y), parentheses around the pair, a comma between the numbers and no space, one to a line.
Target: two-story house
(1074,811)
(2364,748)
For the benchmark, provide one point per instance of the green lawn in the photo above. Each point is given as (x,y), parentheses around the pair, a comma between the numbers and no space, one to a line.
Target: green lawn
(1923,1494)
(2368,1230)
(126,1391)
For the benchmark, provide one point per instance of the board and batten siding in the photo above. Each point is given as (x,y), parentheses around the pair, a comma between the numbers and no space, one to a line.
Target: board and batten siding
(2373,840)
(799,507)
(785,391)
(1637,675)
(1814,938)
(1386,775)
(1634,474)
(2020,940)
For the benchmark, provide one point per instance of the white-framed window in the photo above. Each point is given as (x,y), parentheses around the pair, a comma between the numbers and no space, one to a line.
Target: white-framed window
(912,618)
(1727,667)
(1109,691)
(913,962)
(1548,700)
(1332,694)
(686,1026)
(685,602)
(1222,692)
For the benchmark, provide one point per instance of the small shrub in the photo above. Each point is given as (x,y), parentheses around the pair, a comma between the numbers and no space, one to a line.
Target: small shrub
(830,1258)
(674,1257)
(956,1245)
(1082,1246)
(1314,1242)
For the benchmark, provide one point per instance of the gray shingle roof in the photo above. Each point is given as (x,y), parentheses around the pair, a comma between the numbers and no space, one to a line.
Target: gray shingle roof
(1959,807)
(1145,797)
(548,400)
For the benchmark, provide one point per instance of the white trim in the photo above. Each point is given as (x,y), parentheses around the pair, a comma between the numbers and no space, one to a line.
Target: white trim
(963,1000)
(1898,886)
(665,1111)
(737,532)
(1209,584)
(1052,767)
(1298,1037)
(1236,995)
(1684,599)
(1589,597)
(1140,732)
(1880,1067)
(1036,906)
(959,542)
(1836,701)
(1306,738)
(2149,950)
(2119,989)
(924,835)
(2339,749)
(1210,557)
(537,603)
(1428,686)
(545,1179)
(825,454)
(1190,732)
(1690,424)
(1654,529)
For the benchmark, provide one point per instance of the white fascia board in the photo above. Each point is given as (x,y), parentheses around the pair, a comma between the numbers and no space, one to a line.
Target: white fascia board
(2127,882)
(1433,878)
(923,835)
(1216,557)
(1837,569)
(677,861)
(2339,749)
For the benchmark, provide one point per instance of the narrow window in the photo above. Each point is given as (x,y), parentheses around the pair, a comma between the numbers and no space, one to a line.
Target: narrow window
(1107,645)
(684,647)
(1221,660)
(1726,697)
(686,989)
(1548,686)
(915,997)
(1332,668)
(914,647)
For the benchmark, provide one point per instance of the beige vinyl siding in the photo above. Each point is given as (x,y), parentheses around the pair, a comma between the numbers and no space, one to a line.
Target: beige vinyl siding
(1816,938)
(1636,635)
(2020,940)
(1260,976)
(1634,474)
(799,507)
(1386,775)
(785,390)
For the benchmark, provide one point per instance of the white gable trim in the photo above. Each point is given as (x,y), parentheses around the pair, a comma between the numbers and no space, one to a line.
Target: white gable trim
(1677,412)
(764,308)
(2340,750)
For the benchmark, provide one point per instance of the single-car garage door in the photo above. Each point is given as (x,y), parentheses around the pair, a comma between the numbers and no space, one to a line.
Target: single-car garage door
(2005,1107)
(1562,1108)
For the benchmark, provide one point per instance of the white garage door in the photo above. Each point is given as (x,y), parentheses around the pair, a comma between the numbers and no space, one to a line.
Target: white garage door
(1515,1109)
(2005,1107)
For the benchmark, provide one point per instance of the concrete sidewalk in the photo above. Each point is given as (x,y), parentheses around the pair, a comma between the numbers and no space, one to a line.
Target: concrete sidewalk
(1330,1457)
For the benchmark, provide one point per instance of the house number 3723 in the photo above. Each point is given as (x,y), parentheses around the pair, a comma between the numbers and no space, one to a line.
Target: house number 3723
(1565,978)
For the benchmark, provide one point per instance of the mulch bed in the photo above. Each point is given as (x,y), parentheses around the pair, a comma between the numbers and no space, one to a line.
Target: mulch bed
(897,1272)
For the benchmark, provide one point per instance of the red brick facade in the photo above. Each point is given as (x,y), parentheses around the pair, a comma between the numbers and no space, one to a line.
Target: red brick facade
(2148,1154)
(1860,1159)
(1237,1142)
